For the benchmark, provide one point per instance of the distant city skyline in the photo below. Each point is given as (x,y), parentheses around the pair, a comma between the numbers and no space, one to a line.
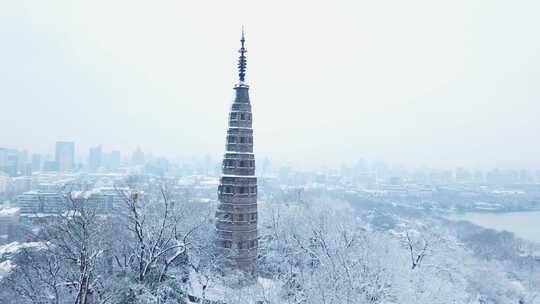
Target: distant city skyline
(25,162)
(423,83)
(139,155)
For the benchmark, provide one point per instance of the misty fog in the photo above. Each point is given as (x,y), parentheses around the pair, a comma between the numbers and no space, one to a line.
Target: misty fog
(424,83)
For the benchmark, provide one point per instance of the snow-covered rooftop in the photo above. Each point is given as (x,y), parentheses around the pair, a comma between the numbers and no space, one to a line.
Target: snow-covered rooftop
(9,211)
(13,247)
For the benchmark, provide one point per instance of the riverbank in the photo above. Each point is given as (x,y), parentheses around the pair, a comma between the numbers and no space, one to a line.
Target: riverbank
(524,224)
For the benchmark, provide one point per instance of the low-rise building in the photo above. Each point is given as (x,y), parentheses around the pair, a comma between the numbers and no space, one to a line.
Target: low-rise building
(33,203)
(9,223)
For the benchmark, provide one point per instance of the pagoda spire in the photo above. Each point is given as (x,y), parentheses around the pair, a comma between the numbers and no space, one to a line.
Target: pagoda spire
(242,60)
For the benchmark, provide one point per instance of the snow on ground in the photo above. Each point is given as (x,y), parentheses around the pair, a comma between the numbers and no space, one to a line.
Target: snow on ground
(262,289)
(5,268)
(9,249)
(13,247)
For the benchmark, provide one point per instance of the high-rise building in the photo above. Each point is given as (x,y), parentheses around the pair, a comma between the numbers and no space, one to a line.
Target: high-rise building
(65,155)
(9,161)
(138,157)
(113,160)
(50,166)
(95,158)
(236,215)
(23,166)
(36,162)
(4,182)
(159,166)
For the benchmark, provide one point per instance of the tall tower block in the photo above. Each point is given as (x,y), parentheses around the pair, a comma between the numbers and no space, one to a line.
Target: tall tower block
(236,216)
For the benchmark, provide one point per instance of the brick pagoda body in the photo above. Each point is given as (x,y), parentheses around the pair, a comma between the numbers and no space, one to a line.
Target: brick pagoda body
(236,216)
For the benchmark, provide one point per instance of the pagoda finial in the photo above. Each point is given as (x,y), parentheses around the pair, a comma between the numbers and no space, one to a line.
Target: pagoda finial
(242,61)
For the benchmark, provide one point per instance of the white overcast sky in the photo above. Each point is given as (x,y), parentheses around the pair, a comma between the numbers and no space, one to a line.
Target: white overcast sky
(434,83)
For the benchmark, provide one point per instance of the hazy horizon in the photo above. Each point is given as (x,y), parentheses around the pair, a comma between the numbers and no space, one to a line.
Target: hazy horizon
(429,83)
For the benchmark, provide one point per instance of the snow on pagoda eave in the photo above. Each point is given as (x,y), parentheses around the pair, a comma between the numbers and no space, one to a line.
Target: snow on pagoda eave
(241,84)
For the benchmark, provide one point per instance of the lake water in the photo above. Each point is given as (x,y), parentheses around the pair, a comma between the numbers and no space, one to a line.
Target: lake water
(525,225)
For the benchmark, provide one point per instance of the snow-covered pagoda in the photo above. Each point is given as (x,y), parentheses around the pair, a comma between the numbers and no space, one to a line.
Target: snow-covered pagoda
(236,216)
